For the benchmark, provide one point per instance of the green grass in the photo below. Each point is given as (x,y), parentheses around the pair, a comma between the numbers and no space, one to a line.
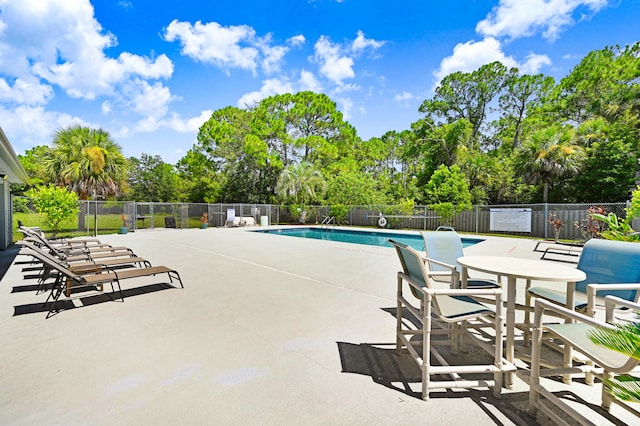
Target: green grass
(107,224)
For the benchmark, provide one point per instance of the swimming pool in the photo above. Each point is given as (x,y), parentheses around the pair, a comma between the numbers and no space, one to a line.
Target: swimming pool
(372,238)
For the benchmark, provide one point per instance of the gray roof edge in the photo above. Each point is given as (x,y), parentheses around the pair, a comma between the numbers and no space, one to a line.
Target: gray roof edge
(9,163)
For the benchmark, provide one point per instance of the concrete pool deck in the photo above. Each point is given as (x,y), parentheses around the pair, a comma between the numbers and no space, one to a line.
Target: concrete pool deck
(268,330)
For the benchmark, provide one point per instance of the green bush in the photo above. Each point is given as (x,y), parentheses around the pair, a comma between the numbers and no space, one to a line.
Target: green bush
(56,205)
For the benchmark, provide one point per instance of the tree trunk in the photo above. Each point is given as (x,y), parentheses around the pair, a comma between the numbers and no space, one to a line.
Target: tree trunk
(545,192)
(82,214)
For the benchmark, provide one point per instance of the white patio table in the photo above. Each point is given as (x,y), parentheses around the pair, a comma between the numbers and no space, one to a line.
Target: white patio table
(527,269)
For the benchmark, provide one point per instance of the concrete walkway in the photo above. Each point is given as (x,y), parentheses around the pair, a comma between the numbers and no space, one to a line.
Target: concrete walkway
(268,330)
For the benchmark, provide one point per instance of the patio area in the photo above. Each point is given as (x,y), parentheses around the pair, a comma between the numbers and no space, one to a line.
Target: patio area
(268,330)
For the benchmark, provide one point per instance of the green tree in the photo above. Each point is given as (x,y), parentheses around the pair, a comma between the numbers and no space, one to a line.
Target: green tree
(198,180)
(467,96)
(448,192)
(249,169)
(304,126)
(604,83)
(152,179)
(33,163)
(547,155)
(609,169)
(354,188)
(56,205)
(521,94)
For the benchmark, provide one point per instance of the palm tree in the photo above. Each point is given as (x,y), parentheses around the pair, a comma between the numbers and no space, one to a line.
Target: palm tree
(547,155)
(88,162)
(301,183)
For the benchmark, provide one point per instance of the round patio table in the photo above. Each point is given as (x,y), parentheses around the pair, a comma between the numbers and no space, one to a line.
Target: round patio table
(527,269)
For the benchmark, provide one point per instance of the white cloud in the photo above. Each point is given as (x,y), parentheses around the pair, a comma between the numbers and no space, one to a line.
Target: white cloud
(19,123)
(362,43)
(347,106)
(29,92)
(214,43)
(61,43)
(333,64)
(523,18)
(273,55)
(297,40)
(270,87)
(150,100)
(534,63)
(404,96)
(189,125)
(228,47)
(336,60)
(472,55)
(106,107)
(344,88)
(308,81)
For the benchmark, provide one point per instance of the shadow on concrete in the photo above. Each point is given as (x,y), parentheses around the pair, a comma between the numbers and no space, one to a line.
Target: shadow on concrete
(68,304)
(7,257)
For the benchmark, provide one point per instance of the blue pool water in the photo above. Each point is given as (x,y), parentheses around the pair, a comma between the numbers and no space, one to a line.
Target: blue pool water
(371,238)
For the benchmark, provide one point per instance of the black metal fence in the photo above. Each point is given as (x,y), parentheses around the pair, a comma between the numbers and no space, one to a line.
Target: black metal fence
(513,219)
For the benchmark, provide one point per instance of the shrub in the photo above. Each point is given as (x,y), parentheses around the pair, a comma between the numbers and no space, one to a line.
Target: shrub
(56,205)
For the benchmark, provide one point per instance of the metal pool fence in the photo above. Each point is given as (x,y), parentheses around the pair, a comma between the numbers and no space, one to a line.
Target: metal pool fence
(109,216)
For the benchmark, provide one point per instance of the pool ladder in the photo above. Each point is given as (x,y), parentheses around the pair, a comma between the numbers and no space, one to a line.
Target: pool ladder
(327,221)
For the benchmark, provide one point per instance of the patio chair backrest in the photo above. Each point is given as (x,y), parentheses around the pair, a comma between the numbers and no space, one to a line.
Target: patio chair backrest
(610,262)
(412,265)
(444,247)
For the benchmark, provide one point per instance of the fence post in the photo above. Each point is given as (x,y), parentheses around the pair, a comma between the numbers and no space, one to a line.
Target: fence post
(544,219)
(476,218)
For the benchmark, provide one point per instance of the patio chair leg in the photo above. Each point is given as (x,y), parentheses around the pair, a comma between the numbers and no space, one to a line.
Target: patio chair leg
(527,315)
(534,378)
(426,353)
(607,398)
(399,317)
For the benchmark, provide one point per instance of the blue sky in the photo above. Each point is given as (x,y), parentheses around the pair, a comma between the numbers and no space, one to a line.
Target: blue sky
(150,72)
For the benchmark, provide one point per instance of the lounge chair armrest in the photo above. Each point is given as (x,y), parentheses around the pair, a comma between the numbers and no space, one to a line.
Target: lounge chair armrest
(592,290)
(86,269)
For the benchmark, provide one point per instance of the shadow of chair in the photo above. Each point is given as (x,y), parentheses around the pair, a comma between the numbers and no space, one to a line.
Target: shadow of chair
(600,361)
(450,313)
(66,279)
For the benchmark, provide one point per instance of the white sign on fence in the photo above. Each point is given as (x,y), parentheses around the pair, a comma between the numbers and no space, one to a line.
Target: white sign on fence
(510,219)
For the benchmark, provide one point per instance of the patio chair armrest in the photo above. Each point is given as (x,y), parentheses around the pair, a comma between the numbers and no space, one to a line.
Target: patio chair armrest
(592,290)
(463,291)
(439,263)
(612,302)
(541,306)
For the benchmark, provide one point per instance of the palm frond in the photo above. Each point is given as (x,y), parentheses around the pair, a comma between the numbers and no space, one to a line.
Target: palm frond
(624,338)
(624,387)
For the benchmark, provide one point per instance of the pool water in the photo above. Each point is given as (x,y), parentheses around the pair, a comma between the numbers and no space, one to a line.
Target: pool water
(371,238)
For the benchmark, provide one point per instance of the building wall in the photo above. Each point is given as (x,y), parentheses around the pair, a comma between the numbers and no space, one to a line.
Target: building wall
(6,230)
